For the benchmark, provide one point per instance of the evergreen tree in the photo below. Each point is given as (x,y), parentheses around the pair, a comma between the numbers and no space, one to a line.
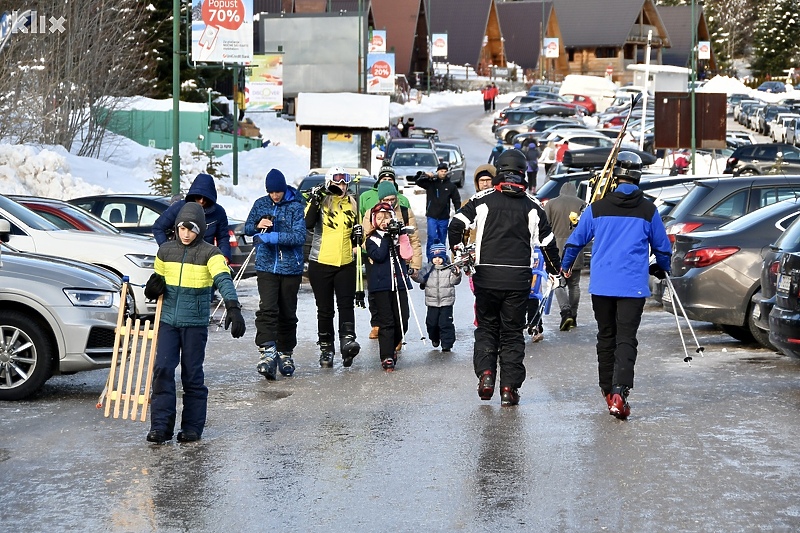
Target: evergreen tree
(776,41)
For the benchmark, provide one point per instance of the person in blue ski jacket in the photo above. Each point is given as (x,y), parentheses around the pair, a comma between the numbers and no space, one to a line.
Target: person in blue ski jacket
(277,224)
(204,192)
(626,229)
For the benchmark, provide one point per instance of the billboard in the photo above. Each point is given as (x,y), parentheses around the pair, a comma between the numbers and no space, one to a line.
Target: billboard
(438,45)
(380,73)
(377,43)
(550,47)
(265,84)
(222,31)
(703,49)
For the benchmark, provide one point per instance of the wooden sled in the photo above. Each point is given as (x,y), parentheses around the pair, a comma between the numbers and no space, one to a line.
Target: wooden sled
(131,373)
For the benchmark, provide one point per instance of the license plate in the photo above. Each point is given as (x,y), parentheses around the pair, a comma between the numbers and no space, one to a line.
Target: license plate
(666,296)
(784,282)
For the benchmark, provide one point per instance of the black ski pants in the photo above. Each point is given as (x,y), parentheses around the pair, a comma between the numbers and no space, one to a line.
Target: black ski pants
(276,318)
(392,321)
(501,321)
(618,321)
(439,322)
(373,318)
(327,281)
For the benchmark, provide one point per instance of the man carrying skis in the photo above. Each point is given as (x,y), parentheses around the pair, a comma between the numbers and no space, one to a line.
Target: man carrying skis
(626,228)
(510,223)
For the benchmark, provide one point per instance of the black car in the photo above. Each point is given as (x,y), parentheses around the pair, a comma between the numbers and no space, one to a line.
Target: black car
(787,243)
(715,201)
(764,158)
(454,157)
(357,187)
(784,318)
(717,273)
(770,112)
(136,213)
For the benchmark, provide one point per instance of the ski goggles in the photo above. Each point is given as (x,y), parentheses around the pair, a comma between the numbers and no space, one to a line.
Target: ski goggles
(341,177)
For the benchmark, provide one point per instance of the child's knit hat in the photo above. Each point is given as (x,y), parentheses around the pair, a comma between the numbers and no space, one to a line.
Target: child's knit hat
(439,250)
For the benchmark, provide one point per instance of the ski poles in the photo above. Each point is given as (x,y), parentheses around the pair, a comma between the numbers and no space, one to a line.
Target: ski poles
(236,280)
(677,300)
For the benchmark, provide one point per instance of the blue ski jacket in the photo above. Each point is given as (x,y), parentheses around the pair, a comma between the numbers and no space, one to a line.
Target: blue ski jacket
(216,217)
(279,251)
(626,228)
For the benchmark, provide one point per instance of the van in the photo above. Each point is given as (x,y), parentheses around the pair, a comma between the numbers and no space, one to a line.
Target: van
(599,89)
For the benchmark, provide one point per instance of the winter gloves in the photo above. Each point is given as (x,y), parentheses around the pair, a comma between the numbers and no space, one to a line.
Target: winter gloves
(357,235)
(266,238)
(657,271)
(234,316)
(155,287)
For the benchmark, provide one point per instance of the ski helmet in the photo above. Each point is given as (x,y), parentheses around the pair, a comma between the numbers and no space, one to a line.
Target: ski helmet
(382,207)
(628,167)
(337,180)
(510,177)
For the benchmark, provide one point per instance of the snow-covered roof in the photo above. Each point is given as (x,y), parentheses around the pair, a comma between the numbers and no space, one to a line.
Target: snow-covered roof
(142,103)
(347,110)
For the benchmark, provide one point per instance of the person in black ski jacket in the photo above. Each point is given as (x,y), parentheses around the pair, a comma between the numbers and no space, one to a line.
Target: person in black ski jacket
(510,223)
(441,192)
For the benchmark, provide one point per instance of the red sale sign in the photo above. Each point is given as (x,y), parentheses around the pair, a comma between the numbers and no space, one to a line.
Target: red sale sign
(381,69)
(228,14)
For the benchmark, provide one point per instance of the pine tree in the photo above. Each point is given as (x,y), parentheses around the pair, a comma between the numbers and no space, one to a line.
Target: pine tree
(776,43)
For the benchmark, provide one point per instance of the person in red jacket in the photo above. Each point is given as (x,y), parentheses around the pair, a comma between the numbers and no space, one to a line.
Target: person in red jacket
(494,92)
(561,150)
(487,98)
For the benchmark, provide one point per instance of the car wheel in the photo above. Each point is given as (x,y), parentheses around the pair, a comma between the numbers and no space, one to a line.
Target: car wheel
(510,137)
(740,333)
(761,336)
(460,183)
(26,356)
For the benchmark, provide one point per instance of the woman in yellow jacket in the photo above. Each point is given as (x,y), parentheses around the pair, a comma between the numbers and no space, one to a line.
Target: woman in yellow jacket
(332,213)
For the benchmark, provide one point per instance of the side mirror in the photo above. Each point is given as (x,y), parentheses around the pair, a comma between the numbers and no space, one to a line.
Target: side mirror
(5,230)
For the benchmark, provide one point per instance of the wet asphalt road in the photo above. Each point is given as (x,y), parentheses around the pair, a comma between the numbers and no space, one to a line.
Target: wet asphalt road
(708,447)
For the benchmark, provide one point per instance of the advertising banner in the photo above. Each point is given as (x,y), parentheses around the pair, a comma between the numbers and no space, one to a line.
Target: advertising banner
(222,31)
(438,45)
(703,49)
(265,84)
(380,73)
(551,47)
(377,44)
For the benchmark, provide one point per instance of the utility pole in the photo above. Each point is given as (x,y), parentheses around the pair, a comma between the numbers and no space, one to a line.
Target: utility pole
(176,96)
(694,79)
(430,48)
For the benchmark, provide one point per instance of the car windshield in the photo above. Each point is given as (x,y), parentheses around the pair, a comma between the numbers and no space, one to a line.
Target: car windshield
(415,160)
(26,216)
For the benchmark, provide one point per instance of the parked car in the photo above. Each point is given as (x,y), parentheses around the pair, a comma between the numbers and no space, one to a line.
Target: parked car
(408,162)
(779,125)
(578,139)
(716,274)
(793,132)
(784,318)
(787,243)
(511,116)
(715,201)
(520,100)
(120,254)
(770,112)
(394,144)
(357,187)
(583,101)
(738,107)
(763,158)
(772,87)
(136,213)
(733,100)
(56,316)
(454,157)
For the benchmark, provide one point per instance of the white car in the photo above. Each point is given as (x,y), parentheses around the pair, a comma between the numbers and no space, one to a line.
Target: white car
(121,254)
(578,139)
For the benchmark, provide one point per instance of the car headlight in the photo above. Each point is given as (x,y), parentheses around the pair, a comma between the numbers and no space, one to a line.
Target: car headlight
(90,298)
(142,260)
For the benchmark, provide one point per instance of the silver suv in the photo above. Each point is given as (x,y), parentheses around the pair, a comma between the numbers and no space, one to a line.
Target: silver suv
(56,316)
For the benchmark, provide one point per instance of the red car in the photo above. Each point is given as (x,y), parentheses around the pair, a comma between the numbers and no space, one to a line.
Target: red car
(65,215)
(582,100)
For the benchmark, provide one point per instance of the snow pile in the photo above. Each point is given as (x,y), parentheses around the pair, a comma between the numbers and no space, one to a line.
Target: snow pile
(26,170)
(725,84)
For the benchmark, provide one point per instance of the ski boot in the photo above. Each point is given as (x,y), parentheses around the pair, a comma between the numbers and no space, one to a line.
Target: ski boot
(348,344)
(509,396)
(486,385)
(620,407)
(285,363)
(268,363)
(326,351)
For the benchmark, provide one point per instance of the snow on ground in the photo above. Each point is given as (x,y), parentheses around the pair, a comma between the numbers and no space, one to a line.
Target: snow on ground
(125,166)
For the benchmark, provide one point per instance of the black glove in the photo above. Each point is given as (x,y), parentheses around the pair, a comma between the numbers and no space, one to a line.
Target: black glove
(394,227)
(422,286)
(360,299)
(316,194)
(155,287)
(657,271)
(357,235)
(234,316)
